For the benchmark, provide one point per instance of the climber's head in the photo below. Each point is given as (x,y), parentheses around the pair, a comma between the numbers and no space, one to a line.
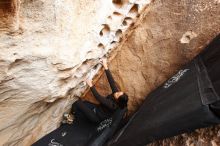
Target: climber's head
(122,98)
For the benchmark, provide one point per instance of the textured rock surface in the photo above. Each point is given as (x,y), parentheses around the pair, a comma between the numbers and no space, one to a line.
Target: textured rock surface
(48,48)
(168,35)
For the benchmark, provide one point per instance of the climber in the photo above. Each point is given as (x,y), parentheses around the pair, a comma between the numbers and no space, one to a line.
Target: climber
(117,99)
(108,114)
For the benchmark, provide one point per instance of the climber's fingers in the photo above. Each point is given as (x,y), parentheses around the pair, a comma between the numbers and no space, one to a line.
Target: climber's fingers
(103,61)
(89,82)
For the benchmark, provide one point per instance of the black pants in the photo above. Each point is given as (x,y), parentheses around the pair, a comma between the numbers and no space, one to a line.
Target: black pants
(93,113)
(85,109)
(108,132)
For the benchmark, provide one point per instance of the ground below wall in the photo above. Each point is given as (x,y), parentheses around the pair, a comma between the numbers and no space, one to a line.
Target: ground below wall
(170,34)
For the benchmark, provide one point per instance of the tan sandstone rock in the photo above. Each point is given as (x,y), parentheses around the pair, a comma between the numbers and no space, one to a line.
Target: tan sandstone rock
(48,48)
(169,34)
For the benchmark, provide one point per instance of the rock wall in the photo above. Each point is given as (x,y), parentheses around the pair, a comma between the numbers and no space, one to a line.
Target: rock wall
(168,35)
(48,48)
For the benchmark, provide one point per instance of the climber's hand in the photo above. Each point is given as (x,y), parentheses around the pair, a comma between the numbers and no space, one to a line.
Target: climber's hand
(89,82)
(104,63)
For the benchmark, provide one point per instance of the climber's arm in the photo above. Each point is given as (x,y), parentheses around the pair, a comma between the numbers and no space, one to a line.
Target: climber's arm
(106,102)
(109,76)
(111,81)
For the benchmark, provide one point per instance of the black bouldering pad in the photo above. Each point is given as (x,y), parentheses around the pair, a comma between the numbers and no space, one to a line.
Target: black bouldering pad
(83,132)
(76,134)
(187,101)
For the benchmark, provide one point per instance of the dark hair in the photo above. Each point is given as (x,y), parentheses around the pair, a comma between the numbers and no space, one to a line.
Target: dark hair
(123,100)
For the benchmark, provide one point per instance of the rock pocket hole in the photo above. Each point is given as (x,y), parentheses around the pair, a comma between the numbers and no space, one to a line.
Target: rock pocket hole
(101,46)
(109,17)
(187,37)
(134,9)
(113,43)
(105,30)
(124,23)
(118,33)
(117,14)
(119,3)
(127,21)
